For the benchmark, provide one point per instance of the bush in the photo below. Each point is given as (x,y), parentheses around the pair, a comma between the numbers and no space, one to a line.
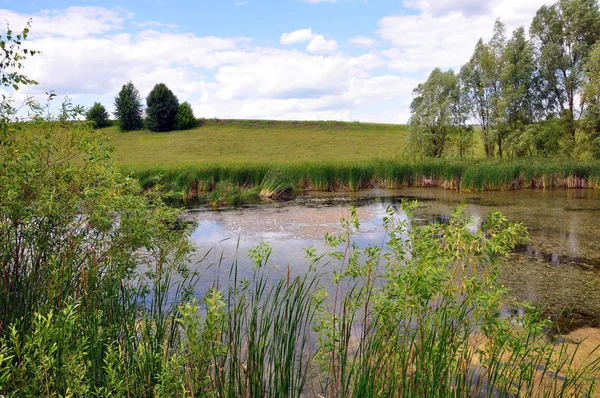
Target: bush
(161,108)
(185,118)
(128,108)
(81,246)
(98,116)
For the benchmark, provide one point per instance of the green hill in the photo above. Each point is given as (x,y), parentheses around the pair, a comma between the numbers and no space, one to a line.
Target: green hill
(260,141)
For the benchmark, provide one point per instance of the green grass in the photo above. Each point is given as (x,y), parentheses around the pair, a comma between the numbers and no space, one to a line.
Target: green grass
(259,141)
(217,183)
(97,293)
(235,161)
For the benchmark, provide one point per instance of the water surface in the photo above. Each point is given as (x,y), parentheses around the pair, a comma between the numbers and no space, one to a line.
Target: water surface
(558,269)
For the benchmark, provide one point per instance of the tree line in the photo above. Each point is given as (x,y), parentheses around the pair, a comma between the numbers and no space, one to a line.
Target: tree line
(163,111)
(533,94)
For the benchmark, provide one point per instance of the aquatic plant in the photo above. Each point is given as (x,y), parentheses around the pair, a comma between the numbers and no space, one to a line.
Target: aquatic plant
(98,298)
(466,175)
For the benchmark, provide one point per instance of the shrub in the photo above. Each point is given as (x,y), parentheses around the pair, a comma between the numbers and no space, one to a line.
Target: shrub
(185,118)
(98,116)
(128,108)
(161,108)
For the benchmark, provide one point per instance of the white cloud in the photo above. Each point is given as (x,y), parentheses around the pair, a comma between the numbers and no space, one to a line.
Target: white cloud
(320,45)
(71,22)
(362,41)
(88,53)
(240,3)
(155,24)
(444,34)
(220,76)
(297,36)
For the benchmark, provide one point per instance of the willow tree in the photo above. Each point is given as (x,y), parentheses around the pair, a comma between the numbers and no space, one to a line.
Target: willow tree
(564,34)
(432,120)
(518,83)
(590,121)
(482,76)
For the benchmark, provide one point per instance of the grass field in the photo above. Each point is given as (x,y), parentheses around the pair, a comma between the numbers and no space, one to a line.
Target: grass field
(234,161)
(252,141)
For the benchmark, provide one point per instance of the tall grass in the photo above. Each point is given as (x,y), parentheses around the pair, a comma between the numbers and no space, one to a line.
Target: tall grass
(97,293)
(468,175)
(417,318)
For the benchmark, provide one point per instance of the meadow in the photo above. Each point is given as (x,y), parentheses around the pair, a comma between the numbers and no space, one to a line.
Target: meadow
(234,161)
(259,141)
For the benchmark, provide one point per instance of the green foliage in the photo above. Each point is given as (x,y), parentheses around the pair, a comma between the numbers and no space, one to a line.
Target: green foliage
(98,116)
(517,90)
(74,230)
(13,55)
(128,108)
(185,118)
(431,122)
(482,77)
(11,64)
(236,184)
(590,122)
(104,263)
(96,294)
(161,109)
(518,85)
(564,33)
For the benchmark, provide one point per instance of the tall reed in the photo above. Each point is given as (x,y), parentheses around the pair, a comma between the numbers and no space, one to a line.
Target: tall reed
(465,175)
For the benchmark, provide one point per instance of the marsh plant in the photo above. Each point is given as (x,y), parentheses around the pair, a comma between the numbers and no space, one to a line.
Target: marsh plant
(97,294)
(97,299)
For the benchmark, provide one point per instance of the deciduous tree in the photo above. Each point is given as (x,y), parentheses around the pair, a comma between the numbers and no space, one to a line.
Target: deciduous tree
(432,119)
(482,77)
(590,122)
(185,118)
(564,33)
(518,82)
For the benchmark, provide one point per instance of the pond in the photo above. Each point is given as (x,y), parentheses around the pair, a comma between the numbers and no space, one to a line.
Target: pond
(558,269)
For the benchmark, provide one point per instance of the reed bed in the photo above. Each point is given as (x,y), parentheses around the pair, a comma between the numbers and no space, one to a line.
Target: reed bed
(98,293)
(275,180)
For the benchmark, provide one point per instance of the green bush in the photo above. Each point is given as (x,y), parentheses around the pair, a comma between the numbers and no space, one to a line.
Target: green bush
(161,109)
(185,118)
(128,108)
(98,116)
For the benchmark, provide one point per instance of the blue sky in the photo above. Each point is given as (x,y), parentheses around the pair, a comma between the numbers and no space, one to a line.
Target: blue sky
(352,60)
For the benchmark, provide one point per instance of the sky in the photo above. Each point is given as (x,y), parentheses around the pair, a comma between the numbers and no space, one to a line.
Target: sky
(351,60)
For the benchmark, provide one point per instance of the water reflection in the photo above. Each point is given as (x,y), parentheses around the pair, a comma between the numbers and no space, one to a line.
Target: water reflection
(559,268)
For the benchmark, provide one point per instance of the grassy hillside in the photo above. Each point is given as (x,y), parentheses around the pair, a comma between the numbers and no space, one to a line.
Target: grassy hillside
(260,141)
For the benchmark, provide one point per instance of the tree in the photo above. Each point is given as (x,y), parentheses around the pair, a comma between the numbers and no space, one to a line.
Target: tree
(185,118)
(462,107)
(128,108)
(517,81)
(482,81)
(12,56)
(97,116)
(563,34)
(432,120)
(590,121)
(161,108)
